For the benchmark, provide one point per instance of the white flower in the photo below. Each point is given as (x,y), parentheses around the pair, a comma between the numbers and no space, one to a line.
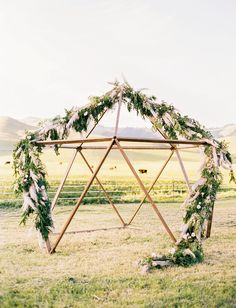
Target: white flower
(199,207)
(86,113)
(29,137)
(42,187)
(24,180)
(193,234)
(172,251)
(155,263)
(188,252)
(44,195)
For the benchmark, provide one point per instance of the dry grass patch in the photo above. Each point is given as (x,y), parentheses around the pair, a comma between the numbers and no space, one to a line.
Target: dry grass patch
(99,269)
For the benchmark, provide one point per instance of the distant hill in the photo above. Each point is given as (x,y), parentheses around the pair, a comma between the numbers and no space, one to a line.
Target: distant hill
(33,121)
(219,132)
(228,130)
(12,130)
(106,131)
(126,132)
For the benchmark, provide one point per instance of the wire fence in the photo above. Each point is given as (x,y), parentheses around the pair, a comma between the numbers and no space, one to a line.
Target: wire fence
(125,191)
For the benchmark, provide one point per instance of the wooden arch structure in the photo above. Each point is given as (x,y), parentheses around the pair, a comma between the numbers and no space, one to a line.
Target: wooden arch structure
(120,144)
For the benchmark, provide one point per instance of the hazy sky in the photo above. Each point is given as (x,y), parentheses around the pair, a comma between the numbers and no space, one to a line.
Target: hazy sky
(54,54)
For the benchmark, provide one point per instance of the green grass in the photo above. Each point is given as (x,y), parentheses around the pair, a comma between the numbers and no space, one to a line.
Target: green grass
(99,269)
(121,190)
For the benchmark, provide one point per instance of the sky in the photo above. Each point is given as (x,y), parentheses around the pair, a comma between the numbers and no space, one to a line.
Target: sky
(54,54)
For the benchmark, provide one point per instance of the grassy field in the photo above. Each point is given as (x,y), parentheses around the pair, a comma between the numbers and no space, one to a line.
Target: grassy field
(150,160)
(99,269)
(120,190)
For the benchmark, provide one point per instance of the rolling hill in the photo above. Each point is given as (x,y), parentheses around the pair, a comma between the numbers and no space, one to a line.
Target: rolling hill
(12,130)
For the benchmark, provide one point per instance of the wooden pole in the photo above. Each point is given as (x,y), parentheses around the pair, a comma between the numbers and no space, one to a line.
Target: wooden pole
(71,141)
(145,191)
(170,141)
(48,245)
(103,189)
(118,113)
(128,147)
(183,170)
(151,187)
(209,224)
(70,165)
(81,198)
(54,201)
(178,155)
(125,139)
(95,125)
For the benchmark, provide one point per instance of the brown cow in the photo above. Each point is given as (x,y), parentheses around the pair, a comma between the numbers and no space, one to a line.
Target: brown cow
(142,171)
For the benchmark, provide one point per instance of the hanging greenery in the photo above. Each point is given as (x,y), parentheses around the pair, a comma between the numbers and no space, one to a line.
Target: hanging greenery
(31,180)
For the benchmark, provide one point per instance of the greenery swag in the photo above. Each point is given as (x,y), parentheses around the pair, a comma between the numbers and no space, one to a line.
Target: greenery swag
(31,179)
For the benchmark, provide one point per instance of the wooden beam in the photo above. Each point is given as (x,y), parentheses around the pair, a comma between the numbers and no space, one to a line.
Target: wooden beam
(209,224)
(118,113)
(52,142)
(60,187)
(70,165)
(126,147)
(145,191)
(151,187)
(103,189)
(179,157)
(147,140)
(170,141)
(183,170)
(81,198)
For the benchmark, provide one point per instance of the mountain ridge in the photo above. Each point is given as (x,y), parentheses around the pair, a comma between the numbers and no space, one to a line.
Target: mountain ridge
(12,129)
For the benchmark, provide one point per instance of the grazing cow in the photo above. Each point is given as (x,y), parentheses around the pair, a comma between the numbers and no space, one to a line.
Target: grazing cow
(142,171)
(112,168)
(7,163)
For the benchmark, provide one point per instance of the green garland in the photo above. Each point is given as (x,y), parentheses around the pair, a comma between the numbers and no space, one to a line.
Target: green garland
(31,176)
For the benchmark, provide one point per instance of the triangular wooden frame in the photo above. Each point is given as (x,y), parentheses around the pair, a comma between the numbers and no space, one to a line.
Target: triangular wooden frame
(115,143)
